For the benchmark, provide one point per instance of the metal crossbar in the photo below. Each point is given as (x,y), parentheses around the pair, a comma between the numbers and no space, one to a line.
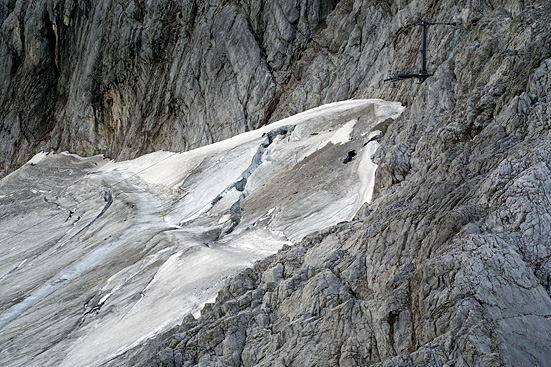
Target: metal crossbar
(423,74)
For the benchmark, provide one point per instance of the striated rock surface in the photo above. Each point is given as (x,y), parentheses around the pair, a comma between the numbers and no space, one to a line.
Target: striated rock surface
(124,77)
(450,264)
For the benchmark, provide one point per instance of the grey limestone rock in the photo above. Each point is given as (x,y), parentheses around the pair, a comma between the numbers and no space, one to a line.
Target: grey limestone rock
(124,77)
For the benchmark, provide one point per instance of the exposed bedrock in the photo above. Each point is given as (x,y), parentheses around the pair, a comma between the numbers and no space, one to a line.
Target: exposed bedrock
(124,77)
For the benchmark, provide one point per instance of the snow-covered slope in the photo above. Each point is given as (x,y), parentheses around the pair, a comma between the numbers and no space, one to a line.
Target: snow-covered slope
(96,256)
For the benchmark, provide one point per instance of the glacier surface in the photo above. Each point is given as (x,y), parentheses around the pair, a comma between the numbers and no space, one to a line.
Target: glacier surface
(96,256)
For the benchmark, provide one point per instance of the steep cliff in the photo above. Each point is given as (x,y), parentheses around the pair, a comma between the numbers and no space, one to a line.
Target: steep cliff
(123,77)
(450,263)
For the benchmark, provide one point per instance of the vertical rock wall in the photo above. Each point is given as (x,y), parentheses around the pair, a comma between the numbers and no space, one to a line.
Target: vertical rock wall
(124,77)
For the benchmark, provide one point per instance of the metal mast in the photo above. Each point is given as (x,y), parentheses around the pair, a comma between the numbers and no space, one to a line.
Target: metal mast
(423,73)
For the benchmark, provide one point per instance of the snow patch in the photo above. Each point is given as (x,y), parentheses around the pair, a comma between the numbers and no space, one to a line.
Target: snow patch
(170,237)
(342,135)
(37,158)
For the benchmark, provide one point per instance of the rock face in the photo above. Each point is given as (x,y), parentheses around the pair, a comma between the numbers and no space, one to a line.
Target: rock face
(124,77)
(450,263)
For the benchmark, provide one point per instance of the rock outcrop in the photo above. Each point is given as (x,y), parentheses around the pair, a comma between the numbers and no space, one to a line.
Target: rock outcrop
(449,266)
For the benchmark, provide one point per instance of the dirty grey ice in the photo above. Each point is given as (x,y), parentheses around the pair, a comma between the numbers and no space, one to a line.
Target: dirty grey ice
(99,256)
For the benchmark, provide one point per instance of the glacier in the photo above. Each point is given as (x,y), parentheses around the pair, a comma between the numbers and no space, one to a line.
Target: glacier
(97,256)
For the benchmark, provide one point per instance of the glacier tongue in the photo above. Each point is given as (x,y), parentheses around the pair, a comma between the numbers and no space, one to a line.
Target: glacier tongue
(83,281)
